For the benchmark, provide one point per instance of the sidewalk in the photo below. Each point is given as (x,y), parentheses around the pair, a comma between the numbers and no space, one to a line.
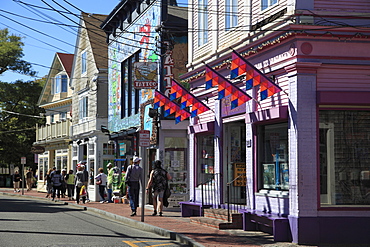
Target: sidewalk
(171,224)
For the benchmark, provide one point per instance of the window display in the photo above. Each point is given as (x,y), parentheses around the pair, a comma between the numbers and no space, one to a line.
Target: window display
(273,156)
(175,163)
(205,159)
(344,144)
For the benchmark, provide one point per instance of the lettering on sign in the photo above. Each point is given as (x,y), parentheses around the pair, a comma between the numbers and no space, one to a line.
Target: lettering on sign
(240,178)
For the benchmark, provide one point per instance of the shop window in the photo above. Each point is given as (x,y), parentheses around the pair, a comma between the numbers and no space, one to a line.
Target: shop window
(91,171)
(344,150)
(41,169)
(273,156)
(175,163)
(108,148)
(205,159)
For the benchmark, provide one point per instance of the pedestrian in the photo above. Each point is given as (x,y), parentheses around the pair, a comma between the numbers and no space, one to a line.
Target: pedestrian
(79,182)
(86,178)
(49,185)
(134,176)
(70,181)
(158,182)
(53,171)
(57,184)
(101,181)
(16,181)
(29,179)
(110,181)
(63,188)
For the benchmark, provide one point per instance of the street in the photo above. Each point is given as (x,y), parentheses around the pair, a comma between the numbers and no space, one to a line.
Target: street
(26,222)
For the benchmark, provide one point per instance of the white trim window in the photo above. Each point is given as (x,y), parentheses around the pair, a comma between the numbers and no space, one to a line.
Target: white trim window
(59,84)
(202,22)
(83,62)
(83,107)
(231,14)
(267,3)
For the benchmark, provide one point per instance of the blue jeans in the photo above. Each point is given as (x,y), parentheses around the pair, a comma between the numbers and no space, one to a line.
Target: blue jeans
(109,191)
(133,193)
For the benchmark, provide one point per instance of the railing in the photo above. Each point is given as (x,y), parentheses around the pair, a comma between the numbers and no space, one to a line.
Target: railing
(53,131)
(236,197)
(210,194)
(210,191)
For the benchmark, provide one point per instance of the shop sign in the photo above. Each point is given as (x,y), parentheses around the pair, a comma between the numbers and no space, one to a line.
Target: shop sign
(240,178)
(37,149)
(145,75)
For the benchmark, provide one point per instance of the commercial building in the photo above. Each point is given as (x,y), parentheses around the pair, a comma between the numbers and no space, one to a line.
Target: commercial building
(304,149)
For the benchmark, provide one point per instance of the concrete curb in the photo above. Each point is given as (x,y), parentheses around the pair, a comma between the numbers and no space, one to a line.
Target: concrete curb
(132,223)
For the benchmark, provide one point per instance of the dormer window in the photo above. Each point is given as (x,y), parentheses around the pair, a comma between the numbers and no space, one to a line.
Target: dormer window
(59,84)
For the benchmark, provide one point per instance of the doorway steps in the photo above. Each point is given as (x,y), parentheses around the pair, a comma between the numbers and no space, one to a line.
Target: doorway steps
(217,218)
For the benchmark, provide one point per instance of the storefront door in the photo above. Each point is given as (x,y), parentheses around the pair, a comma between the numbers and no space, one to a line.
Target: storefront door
(234,171)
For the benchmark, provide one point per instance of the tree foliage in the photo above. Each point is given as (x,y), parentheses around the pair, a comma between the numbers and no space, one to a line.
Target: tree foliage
(18,118)
(11,52)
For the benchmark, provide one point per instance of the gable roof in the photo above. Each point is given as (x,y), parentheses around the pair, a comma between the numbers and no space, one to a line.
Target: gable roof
(63,60)
(67,61)
(97,38)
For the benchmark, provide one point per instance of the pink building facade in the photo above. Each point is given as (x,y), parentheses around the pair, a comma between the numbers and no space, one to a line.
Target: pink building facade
(306,149)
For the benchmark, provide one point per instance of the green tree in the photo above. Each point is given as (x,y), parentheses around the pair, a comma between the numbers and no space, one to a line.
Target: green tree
(19,114)
(11,52)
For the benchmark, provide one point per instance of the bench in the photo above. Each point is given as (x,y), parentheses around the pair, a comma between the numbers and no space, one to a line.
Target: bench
(189,209)
(274,224)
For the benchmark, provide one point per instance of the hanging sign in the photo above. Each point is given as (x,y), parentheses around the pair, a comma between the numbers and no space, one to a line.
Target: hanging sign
(145,75)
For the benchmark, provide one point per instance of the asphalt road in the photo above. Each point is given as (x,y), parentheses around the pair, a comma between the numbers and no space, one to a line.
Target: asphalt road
(25,222)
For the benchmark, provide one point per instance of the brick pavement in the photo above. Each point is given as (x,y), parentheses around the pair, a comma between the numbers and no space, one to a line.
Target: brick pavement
(171,221)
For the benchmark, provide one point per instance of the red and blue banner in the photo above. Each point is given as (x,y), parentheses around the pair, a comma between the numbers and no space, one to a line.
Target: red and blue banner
(187,99)
(253,77)
(169,107)
(225,88)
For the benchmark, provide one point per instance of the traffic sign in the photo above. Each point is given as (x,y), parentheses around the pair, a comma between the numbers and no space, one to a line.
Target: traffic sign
(144,138)
(23,160)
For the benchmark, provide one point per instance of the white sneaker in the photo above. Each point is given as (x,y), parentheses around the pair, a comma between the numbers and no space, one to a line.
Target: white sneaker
(15,191)
(101,201)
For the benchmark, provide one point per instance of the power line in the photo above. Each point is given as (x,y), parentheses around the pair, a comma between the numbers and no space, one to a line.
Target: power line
(20,114)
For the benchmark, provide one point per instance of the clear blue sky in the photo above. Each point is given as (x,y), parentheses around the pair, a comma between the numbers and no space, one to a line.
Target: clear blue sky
(40,49)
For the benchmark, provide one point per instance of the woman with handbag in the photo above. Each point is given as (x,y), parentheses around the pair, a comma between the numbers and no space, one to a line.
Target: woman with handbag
(158,181)
(79,183)
(101,180)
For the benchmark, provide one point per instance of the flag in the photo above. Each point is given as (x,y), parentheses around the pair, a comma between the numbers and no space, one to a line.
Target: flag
(187,99)
(225,88)
(169,107)
(253,76)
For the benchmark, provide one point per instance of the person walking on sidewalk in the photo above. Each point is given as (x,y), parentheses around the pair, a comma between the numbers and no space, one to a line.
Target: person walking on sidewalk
(110,181)
(29,179)
(101,181)
(57,184)
(16,181)
(70,180)
(133,178)
(79,182)
(49,185)
(158,182)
